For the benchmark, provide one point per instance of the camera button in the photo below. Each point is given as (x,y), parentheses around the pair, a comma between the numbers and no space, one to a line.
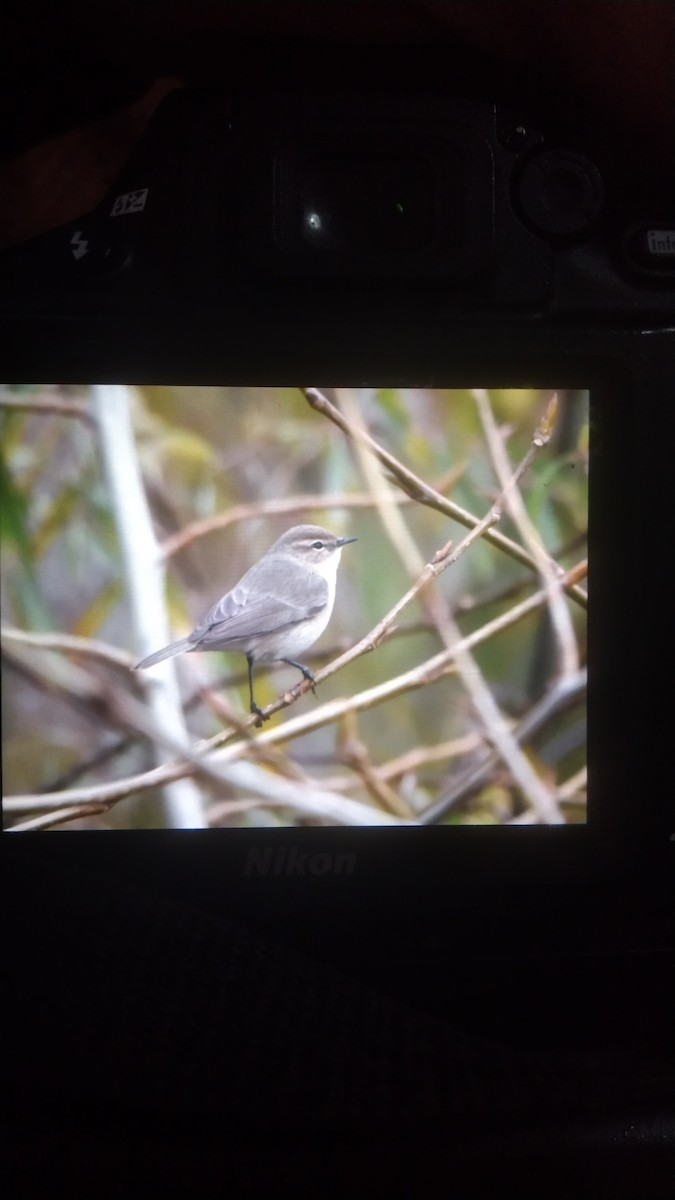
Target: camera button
(93,254)
(560,193)
(650,248)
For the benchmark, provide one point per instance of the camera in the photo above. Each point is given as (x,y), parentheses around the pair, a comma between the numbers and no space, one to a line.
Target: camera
(423,243)
(247,208)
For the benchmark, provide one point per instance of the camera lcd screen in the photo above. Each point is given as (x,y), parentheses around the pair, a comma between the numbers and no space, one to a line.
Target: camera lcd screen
(432,633)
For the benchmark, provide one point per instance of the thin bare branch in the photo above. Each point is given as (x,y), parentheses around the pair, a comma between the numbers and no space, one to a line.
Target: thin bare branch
(393,521)
(60,816)
(411,762)
(568,791)
(426,672)
(288,506)
(354,753)
(424,756)
(60,408)
(422,492)
(563,692)
(64,642)
(311,800)
(549,571)
(494,723)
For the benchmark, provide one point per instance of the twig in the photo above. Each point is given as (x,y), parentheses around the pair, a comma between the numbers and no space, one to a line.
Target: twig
(393,522)
(266,754)
(483,701)
(412,761)
(422,492)
(567,791)
(299,793)
(563,692)
(303,796)
(61,408)
(311,801)
(550,573)
(267,508)
(86,766)
(354,753)
(87,647)
(496,726)
(384,498)
(424,756)
(434,668)
(70,683)
(59,817)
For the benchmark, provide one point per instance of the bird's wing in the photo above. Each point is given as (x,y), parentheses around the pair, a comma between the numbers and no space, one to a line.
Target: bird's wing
(255,607)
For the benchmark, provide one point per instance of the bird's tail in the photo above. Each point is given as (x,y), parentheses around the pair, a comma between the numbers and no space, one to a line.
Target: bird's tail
(167,652)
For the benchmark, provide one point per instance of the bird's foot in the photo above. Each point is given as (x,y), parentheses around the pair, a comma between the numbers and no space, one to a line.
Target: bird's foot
(258,712)
(309,675)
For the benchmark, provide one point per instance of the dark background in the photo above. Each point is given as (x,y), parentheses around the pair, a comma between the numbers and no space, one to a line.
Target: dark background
(153,1039)
(80,80)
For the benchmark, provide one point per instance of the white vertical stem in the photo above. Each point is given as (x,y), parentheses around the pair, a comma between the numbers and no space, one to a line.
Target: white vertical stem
(144,570)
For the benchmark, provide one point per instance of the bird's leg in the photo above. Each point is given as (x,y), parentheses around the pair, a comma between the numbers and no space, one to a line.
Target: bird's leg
(255,708)
(304,670)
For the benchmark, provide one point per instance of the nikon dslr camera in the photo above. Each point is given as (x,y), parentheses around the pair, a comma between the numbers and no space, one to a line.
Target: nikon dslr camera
(420,243)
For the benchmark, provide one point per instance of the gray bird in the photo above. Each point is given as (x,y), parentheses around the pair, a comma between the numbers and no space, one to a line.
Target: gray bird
(277,610)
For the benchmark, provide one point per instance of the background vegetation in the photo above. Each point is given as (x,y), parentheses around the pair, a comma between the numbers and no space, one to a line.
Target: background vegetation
(224,472)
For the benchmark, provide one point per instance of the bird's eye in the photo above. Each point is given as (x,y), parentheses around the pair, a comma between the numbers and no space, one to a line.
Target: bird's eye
(317,545)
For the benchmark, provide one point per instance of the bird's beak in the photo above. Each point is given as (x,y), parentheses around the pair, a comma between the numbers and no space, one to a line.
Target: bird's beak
(344,541)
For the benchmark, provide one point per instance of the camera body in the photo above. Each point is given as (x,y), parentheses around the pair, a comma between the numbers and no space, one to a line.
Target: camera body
(360,205)
(430,242)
